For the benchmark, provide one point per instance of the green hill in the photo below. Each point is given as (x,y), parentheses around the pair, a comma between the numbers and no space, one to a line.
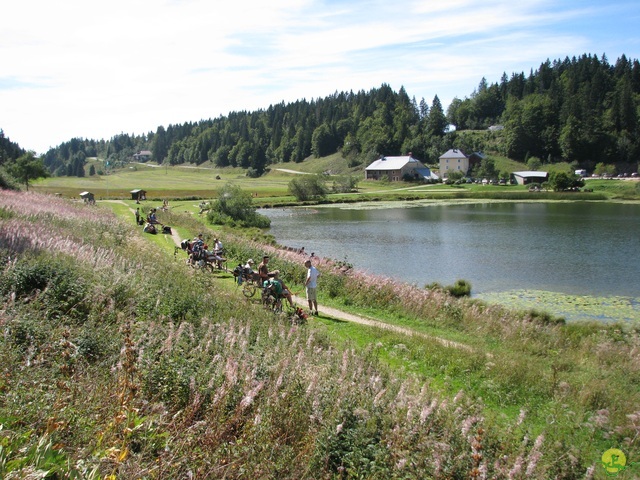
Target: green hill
(117,360)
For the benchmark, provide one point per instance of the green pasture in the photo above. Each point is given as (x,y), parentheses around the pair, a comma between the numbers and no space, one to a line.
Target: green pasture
(159,182)
(189,184)
(198,183)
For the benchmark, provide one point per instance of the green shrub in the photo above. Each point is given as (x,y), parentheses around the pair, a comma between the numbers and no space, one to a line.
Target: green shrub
(434,286)
(168,381)
(333,285)
(59,285)
(461,288)
(94,344)
(6,214)
(545,318)
(354,449)
(28,277)
(26,332)
(310,187)
(234,207)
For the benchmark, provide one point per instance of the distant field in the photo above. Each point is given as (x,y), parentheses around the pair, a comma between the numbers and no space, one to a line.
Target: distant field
(188,182)
(203,183)
(161,182)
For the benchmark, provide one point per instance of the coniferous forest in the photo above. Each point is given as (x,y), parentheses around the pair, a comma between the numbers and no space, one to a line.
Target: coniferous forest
(582,110)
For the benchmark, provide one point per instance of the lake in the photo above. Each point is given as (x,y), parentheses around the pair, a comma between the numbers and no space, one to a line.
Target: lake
(568,248)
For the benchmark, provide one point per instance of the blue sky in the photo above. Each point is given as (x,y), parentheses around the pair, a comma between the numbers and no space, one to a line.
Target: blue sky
(93,69)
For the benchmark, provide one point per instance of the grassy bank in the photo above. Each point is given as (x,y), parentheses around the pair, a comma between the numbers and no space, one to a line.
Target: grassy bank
(119,362)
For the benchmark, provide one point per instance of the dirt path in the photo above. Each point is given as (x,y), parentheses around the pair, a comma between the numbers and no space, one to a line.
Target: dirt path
(349,317)
(286,170)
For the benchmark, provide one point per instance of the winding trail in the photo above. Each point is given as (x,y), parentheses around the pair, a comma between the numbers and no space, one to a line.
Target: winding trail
(349,317)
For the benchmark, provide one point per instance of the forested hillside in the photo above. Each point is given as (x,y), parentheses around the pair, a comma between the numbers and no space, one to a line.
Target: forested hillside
(581,110)
(9,153)
(8,150)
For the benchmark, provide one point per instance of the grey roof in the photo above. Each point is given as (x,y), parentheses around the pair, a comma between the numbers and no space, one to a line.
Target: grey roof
(531,173)
(454,153)
(426,173)
(393,163)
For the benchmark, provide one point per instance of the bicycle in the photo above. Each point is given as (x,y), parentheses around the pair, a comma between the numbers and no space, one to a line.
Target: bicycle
(250,281)
(271,300)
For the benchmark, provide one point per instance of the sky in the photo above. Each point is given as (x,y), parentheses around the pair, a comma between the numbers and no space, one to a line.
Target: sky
(94,68)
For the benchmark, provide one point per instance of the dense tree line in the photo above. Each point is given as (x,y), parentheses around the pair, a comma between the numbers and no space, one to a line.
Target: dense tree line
(8,150)
(582,110)
(363,125)
(70,158)
(9,154)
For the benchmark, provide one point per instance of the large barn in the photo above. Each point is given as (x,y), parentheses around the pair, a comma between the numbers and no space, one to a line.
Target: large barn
(527,177)
(397,169)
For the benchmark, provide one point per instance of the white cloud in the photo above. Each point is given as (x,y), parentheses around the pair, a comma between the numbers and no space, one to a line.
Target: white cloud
(93,70)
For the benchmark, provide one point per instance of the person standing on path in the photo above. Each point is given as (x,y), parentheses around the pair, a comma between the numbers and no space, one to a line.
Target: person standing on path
(311,285)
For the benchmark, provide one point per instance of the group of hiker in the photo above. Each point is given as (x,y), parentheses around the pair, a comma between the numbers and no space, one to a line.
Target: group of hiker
(271,278)
(266,277)
(150,221)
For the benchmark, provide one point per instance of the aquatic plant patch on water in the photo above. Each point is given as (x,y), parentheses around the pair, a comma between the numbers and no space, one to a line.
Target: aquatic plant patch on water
(571,307)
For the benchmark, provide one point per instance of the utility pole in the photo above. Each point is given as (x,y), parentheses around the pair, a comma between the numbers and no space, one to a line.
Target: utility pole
(106,172)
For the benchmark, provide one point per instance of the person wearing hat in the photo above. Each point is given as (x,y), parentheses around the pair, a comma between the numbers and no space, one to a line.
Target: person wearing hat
(197,249)
(248,267)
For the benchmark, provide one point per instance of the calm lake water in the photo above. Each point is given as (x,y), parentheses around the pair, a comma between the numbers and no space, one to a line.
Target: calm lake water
(572,248)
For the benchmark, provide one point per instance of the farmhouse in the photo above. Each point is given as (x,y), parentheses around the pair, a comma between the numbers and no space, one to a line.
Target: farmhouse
(453,160)
(142,156)
(527,177)
(397,169)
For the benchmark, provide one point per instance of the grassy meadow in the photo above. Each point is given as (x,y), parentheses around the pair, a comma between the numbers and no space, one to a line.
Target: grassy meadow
(205,181)
(119,361)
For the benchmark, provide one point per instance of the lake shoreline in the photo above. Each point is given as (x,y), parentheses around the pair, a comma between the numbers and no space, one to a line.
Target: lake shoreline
(386,204)
(574,304)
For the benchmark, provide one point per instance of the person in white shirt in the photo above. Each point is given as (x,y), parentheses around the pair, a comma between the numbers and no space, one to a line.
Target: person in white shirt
(311,285)
(248,267)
